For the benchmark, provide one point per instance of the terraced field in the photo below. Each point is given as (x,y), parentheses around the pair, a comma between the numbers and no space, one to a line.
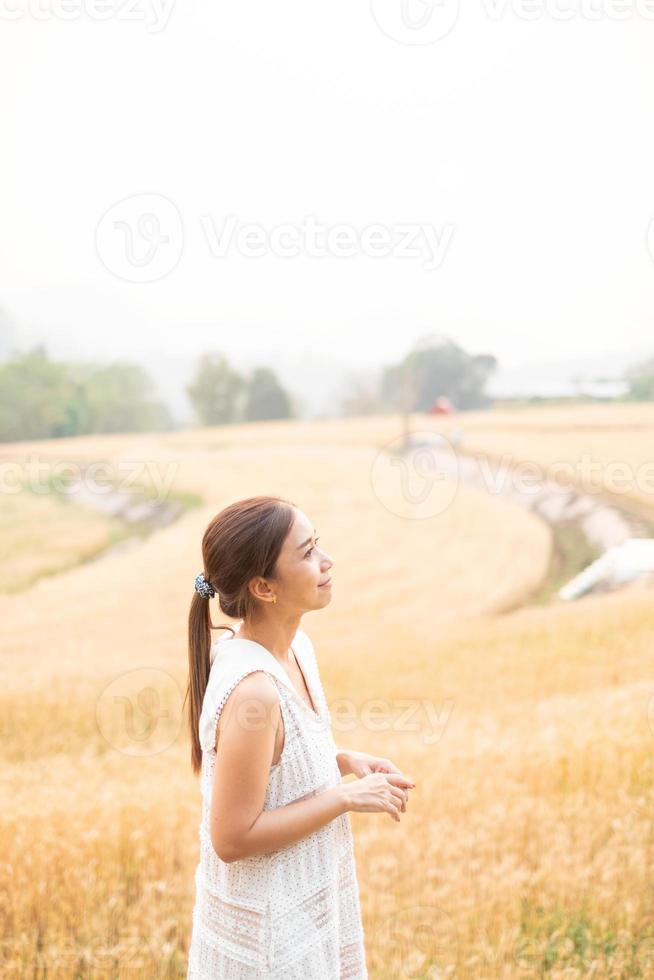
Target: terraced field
(527,846)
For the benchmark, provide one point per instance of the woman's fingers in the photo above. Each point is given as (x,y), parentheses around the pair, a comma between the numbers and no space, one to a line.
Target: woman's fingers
(393,810)
(397,800)
(399,779)
(401,794)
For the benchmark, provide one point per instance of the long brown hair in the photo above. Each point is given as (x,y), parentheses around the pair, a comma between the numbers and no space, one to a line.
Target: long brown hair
(241,542)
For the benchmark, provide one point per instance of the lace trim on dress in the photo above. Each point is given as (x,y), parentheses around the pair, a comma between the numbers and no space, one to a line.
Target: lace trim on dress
(223,700)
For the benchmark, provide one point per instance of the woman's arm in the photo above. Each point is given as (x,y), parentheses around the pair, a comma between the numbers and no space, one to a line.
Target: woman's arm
(285,825)
(240,827)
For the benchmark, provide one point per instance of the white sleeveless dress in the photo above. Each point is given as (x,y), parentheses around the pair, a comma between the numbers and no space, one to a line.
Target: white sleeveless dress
(294,912)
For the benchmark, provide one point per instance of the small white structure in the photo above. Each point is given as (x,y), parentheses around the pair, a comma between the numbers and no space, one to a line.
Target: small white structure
(626,562)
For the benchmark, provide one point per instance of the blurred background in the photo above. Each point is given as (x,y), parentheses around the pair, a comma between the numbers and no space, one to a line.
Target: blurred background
(395,263)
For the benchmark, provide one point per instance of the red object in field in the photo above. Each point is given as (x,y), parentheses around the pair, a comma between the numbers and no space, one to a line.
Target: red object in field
(442,406)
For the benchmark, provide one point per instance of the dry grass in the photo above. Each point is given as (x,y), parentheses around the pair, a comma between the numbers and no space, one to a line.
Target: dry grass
(527,847)
(43,534)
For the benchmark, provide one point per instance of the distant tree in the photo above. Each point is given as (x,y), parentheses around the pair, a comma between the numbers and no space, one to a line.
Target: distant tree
(214,391)
(640,378)
(114,398)
(43,399)
(34,396)
(435,367)
(266,398)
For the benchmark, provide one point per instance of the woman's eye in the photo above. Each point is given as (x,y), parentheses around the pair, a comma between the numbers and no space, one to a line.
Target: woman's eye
(311,549)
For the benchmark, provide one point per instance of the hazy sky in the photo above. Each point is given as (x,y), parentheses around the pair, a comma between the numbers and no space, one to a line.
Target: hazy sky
(513,159)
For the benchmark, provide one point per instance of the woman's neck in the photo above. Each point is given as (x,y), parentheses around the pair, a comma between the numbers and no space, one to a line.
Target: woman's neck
(275,635)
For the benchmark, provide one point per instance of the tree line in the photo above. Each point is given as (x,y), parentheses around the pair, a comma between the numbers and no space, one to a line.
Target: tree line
(43,398)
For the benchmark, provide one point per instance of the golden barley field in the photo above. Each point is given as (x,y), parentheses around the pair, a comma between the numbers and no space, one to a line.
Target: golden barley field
(527,848)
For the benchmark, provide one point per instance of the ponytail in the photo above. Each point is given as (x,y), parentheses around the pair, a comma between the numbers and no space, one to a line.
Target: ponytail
(199,665)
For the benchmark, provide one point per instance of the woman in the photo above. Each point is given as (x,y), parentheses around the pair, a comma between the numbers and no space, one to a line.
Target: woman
(276,887)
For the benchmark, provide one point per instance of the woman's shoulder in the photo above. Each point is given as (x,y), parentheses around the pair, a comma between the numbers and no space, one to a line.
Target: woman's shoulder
(256,685)
(232,666)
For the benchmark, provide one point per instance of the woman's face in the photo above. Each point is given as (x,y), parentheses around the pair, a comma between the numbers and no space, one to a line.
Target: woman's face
(302,569)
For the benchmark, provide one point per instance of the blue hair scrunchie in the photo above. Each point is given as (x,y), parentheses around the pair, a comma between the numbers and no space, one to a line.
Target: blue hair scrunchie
(203,587)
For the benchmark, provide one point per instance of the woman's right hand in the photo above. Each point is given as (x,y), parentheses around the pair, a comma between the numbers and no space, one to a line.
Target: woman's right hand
(379,792)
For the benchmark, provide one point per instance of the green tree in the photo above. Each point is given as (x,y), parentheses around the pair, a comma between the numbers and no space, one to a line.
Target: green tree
(115,398)
(214,390)
(34,396)
(43,399)
(266,398)
(640,378)
(437,366)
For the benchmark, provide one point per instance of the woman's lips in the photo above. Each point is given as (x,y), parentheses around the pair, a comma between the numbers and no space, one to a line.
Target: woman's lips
(324,585)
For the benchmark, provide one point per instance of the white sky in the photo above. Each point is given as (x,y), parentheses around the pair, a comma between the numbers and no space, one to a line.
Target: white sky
(533,141)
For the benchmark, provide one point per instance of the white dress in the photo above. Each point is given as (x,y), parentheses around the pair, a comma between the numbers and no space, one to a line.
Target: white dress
(294,912)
